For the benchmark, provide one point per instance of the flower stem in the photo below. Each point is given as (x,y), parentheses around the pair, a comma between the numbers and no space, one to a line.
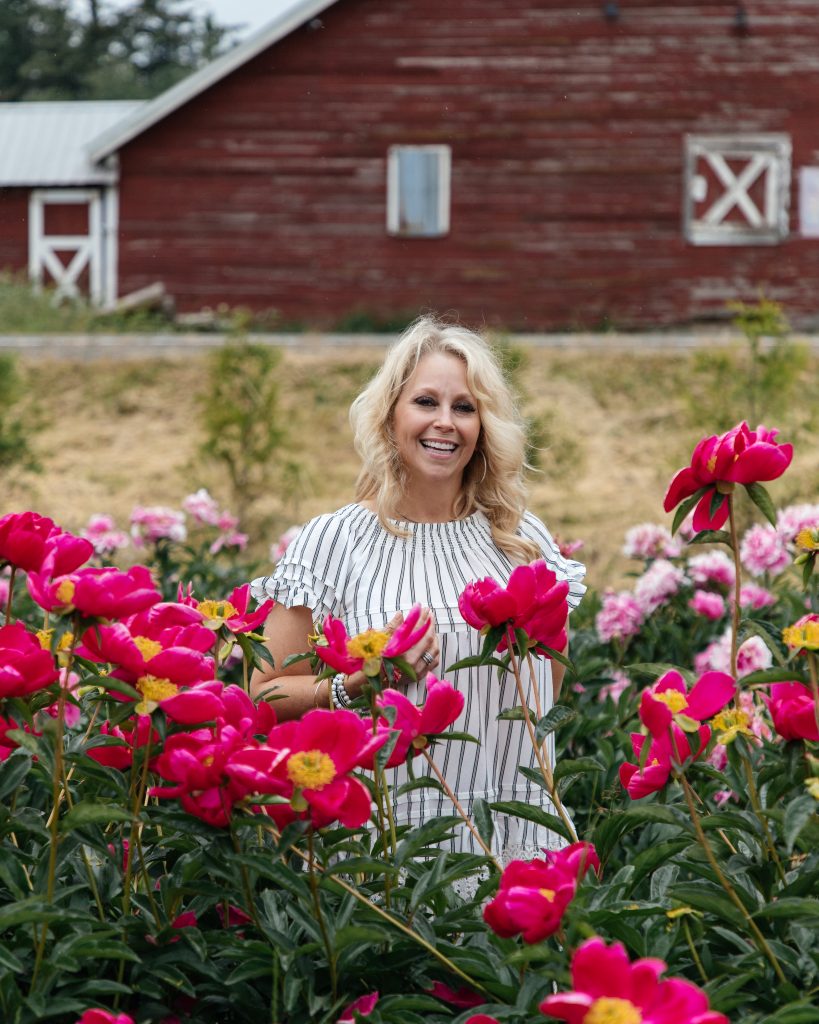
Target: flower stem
(814,684)
(726,885)
(694,954)
(545,770)
(461,811)
(11,594)
(756,803)
(535,688)
(328,945)
(735,610)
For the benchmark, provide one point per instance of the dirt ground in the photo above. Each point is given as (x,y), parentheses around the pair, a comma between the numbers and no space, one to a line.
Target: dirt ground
(611,429)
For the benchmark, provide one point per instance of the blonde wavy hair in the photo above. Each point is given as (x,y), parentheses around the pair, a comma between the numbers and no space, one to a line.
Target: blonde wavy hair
(493,479)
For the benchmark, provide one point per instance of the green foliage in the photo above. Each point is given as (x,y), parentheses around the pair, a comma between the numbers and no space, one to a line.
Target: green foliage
(56,49)
(15,436)
(366,321)
(239,415)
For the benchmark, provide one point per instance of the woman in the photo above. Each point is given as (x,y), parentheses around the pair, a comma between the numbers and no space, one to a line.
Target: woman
(439,503)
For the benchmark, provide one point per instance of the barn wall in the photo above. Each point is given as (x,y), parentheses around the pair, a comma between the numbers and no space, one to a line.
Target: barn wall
(14,229)
(567,158)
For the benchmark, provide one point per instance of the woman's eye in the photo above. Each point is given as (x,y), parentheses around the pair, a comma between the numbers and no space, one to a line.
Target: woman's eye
(464,407)
(425,400)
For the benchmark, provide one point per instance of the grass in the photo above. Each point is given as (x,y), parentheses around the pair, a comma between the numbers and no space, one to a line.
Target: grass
(610,428)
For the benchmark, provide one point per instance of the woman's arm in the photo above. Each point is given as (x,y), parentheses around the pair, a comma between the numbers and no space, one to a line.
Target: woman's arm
(292,691)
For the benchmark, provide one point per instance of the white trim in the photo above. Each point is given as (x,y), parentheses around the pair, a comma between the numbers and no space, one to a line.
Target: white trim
(110,245)
(444,154)
(170,100)
(86,250)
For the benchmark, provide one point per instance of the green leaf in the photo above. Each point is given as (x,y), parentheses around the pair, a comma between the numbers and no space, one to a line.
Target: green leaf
(577,766)
(554,718)
(684,508)
(797,814)
(798,1012)
(657,669)
(712,537)
(93,814)
(482,817)
(774,675)
(12,772)
(791,907)
(465,737)
(515,714)
(292,659)
(530,812)
(472,662)
(760,497)
(384,752)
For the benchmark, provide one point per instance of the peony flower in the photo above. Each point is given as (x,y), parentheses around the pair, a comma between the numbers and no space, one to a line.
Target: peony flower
(668,700)
(753,656)
(321,749)
(365,651)
(619,618)
(663,758)
(533,600)
(793,711)
(96,593)
(229,539)
(708,604)
(533,895)
(121,755)
(762,551)
(363,1006)
(284,542)
(658,584)
(608,988)
(103,534)
(28,541)
(24,666)
(463,997)
(792,520)
(650,540)
(104,1017)
(139,655)
(751,595)
(155,523)
(803,635)
(233,613)
(711,567)
(202,507)
(740,456)
(613,690)
(441,708)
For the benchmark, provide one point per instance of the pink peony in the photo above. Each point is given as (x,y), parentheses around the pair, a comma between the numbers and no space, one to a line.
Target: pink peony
(363,1006)
(533,895)
(284,542)
(34,543)
(751,595)
(364,652)
(669,700)
(104,1017)
(650,540)
(708,604)
(791,520)
(607,987)
(658,584)
(24,666)
(441,708)
(762,551)
(613,690)
(104,593)
(619,618)
(202,507)
(753,655)
(229,539)
(462,997)
(155,523)
(793,711)
(664,757)
(740,456)
(102,532)
(711,567)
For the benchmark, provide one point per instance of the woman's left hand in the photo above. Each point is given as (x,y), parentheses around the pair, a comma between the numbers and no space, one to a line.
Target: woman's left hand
(425,655)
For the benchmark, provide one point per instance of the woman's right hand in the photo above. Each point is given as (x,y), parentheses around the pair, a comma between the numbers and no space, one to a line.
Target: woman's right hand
(425,655)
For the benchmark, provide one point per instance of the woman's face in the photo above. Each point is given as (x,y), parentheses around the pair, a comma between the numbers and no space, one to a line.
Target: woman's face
(436,424)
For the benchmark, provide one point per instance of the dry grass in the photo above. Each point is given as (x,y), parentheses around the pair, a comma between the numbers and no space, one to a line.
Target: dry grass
(615,426)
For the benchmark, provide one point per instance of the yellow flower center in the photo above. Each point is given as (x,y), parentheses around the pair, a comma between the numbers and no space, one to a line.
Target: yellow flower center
(217,611)
(368,645)
(711,464)
(146,647)
(808,539)
(812,786)
(730,724)
(66,641)
(612,1010)
(673,700)
(153,690)
(311,769)
(65,592)
(547,894)
(679,912)
(806,635)
(44,636)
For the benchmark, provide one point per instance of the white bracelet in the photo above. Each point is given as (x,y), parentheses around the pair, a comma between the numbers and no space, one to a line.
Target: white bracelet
(341,699)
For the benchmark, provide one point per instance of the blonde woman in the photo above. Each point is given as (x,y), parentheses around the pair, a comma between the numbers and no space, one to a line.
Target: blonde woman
(440,502)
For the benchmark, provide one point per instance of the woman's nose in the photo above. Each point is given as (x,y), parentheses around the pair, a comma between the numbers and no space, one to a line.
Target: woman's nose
(444,417)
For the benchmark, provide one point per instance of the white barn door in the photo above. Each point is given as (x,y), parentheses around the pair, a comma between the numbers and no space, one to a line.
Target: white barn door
(72,242)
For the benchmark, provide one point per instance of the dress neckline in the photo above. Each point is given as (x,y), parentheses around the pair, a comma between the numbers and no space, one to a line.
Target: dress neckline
(415,527)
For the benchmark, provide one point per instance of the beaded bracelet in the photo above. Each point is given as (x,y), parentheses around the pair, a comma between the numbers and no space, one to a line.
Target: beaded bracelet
(341,699)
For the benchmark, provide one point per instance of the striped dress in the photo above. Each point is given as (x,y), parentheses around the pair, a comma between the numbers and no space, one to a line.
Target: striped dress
(347,564)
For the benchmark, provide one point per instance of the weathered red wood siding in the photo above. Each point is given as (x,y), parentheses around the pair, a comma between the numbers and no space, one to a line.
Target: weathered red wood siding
(14,229)
(567,156)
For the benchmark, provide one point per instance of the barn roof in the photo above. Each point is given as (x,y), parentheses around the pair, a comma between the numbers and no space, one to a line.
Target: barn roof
(45,143)
(155,110)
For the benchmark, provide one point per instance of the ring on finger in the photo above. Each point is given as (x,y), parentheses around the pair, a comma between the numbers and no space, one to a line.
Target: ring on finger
(427,658)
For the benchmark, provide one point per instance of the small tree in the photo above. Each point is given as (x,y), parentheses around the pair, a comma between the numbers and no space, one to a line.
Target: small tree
(15,448)
(241,417)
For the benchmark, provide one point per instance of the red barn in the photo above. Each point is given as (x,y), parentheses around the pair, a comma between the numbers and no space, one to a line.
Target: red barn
(533,165)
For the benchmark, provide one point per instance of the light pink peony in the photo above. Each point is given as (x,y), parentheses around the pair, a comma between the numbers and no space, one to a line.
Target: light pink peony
(708,604)
(230,539)
(613,690)
(202,507)
(762,551)
(104,535)
(658,584)
(752,595)
(650,540)
(753,656)
(155,522)
(619,618)
(790,520)
(284,542)
(711,567)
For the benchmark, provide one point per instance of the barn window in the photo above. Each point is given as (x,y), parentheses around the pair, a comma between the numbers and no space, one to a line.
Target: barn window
(736,189)
(418,191)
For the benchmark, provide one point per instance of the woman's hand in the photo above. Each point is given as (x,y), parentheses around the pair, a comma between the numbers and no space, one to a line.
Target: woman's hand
(425,655)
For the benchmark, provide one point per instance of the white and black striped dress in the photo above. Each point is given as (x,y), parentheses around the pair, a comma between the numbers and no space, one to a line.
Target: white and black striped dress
(347,564)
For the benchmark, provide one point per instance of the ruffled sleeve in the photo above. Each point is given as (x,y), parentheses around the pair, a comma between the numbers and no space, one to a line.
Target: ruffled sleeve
(564,568)
(312,571)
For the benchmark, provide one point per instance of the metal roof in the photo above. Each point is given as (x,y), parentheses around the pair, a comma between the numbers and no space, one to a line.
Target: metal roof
(46,143)
(290,18)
